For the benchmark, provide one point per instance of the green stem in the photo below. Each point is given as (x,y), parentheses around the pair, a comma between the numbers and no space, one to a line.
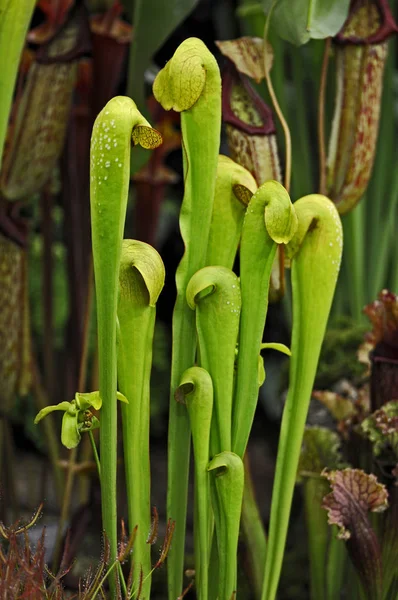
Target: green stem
(95,453)
(302,177)
(321,116)
(383,249)
(214,294)
(353,260)
(49,431)
(117,125)
(336,566)
(253,531)
(316,250)
(226,470)
(214,569)
(70,476)
(270,219)
(310,12)
(190,83)
(109,571)
(251,15)
(121,579)
(276,105)
(46,206)
(141,280)
(279,77)
(318,533)
(196,391)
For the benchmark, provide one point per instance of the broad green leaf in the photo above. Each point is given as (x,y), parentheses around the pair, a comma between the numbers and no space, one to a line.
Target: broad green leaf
(87,399)
(298,21)
(15,16)
(70,435)
(65,406)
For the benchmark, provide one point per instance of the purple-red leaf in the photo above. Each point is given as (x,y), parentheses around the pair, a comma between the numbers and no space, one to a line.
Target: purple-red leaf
(166,543)
(368,23)
(383,313)
(153,534)
(355,493)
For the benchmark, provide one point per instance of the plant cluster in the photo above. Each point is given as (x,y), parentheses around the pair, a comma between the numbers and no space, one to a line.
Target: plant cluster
(240,231)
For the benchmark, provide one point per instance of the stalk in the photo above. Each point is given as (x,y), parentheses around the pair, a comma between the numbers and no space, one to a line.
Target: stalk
(384,246)
(321,117)
(190,83)
(251,15)
(52,442)
(196,392)
(270,219)
(227,473)
(214,294)
(315,489)
(354,259)
(71,468)
(316,252)
(117,125)
(253,531)
(46,206)
(141,280)
(336,565)
(276,105)
(302,177)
